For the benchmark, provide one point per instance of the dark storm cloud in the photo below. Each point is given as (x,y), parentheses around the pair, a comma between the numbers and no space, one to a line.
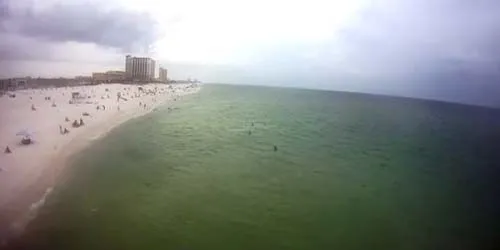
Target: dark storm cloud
(82,22)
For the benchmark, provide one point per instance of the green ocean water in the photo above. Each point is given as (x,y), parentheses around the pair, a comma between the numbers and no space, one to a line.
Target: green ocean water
(351,171)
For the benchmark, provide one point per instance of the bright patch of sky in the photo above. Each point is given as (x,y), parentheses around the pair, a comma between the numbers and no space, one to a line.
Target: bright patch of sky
(231,32)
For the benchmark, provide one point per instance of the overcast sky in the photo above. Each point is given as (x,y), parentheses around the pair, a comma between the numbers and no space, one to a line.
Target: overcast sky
(440,49)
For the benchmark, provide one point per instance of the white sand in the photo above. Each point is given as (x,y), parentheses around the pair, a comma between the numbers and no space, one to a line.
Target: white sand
(30,170)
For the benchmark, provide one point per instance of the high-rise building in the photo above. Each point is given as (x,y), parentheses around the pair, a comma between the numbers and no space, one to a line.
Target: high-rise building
(139,68)
(163,75)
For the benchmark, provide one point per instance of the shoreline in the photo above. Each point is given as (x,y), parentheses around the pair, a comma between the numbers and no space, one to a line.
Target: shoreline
(20,206)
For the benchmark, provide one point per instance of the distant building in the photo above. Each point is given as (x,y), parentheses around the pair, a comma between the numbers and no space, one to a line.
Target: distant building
(139,68)
(83,78)
(5,84)
(50,82)
(99,77)
(13,83)
(163,75)
(108,77)
(116,75)
(22,83)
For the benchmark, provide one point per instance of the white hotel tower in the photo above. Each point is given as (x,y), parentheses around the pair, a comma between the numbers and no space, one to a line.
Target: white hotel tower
(139,68)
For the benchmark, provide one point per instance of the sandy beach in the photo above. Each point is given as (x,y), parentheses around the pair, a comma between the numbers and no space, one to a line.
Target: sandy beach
(28,172)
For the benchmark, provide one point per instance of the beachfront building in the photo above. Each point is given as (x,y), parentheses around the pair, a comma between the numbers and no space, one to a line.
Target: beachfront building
(13,83)
(139,68)
(163,75)
(108,77)
(83,80)
(50,82)
(5,84)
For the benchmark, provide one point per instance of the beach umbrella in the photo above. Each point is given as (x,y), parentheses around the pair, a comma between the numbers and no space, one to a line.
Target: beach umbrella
(24,133)
(27,136)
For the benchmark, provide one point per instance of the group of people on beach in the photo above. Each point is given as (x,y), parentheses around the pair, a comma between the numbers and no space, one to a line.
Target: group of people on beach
(124,96)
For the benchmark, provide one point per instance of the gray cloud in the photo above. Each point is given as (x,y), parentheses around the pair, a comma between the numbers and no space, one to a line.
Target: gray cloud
(3,10)
(446,49)
(14,47)
(81,22)
(400,38)
(426,34)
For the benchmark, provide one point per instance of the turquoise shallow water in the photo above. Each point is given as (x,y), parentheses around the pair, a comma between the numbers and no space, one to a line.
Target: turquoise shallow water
(351,171)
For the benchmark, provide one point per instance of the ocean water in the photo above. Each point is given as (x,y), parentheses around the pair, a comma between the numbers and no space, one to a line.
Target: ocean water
(351,171)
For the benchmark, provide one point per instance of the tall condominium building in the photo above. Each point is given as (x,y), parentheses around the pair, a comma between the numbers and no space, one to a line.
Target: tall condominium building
(139,68)
(163,74)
